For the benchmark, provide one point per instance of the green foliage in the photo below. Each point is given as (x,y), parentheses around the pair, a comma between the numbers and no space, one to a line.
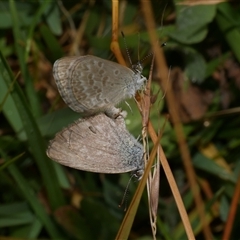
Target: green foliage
(43,200)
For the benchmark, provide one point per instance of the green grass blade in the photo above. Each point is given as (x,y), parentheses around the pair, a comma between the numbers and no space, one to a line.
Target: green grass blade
(35,141)
(33,200)
(20,45)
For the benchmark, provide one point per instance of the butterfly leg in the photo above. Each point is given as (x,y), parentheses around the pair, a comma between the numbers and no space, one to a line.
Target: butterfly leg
(114,112)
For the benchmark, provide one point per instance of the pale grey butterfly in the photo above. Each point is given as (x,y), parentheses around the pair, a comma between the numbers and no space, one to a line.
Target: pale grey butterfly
(98,144)
(90,85)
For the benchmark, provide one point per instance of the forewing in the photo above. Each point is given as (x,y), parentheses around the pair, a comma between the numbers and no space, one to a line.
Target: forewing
(92,145)
(97,83)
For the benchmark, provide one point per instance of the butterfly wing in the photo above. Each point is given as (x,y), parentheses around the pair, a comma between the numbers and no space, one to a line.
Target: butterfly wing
(97,144)
(91,84)
(60,73)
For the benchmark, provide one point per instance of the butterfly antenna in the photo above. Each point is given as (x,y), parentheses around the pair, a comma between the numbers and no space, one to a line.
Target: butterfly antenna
(124,199)
(151,53)
(125,43)
(163,44)
(143,59)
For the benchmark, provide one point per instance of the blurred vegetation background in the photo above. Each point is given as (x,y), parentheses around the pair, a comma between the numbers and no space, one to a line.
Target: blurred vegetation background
(39,199)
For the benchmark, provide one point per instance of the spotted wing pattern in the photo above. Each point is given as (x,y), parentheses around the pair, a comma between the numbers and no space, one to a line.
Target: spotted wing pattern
(89,84)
